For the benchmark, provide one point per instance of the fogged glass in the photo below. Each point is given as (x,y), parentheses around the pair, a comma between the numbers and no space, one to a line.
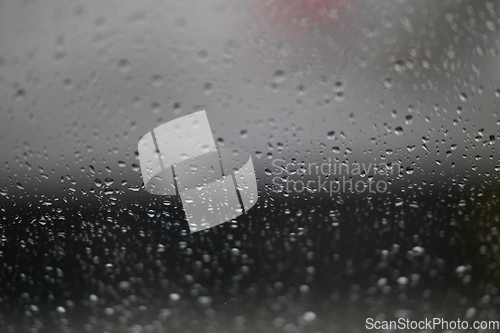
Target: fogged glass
(373,130)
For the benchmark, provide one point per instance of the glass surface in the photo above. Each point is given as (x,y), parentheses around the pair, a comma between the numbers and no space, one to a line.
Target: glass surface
(373,128)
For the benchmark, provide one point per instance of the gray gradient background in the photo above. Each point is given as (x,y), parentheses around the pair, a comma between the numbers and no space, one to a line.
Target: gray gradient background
(80,84)
(64,57)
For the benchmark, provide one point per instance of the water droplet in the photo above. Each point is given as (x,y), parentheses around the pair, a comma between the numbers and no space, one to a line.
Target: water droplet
(409,119)
(124,65)
(463,97)
(399,66)
(156,108)
(388,83)
(279,76)
(174,297)
(157,81)
(309,316)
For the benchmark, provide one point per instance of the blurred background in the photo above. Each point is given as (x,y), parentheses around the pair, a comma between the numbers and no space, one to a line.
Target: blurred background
(84,248)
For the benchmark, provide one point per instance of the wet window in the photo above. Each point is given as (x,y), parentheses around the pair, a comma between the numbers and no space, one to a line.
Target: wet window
(345,172)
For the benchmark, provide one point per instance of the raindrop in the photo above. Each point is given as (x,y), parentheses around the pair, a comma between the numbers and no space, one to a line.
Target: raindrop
(409,119)
(399,66)
(388,83)
(124,65)
(309,316)
(279,76)
(463,97)
(403,280)
(157,81)
(174,297)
